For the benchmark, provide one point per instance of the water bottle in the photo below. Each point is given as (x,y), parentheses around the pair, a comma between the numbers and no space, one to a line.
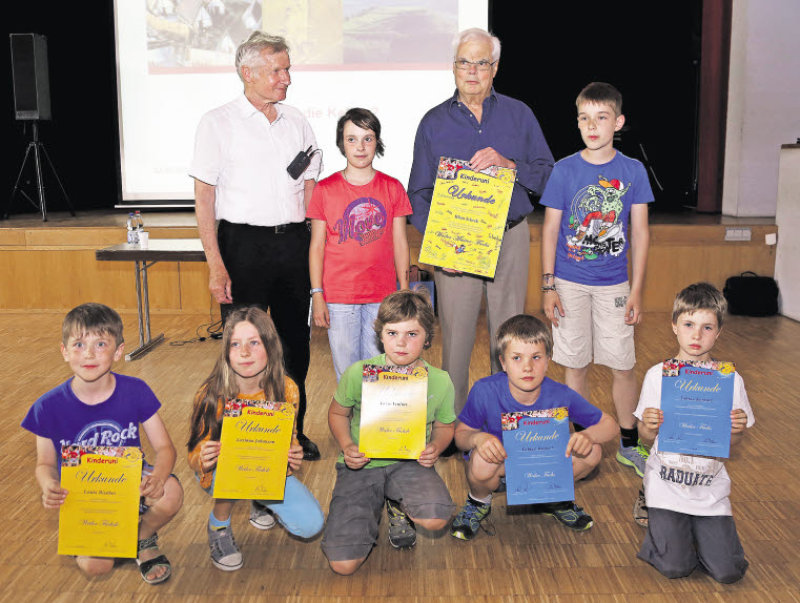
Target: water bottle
(139,223)
(133,234)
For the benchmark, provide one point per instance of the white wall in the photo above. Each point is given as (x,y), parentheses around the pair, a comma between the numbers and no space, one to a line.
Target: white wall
(763,103)
(788,219)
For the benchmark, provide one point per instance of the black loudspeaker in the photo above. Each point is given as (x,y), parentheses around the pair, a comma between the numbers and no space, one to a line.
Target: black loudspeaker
(31,76)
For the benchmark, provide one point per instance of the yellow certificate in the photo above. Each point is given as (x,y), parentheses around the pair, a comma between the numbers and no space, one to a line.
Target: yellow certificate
(254,451)
(100,516)
(467,217)
(394,412)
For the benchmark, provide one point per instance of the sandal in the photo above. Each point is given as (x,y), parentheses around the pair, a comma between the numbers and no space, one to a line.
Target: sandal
(145,567)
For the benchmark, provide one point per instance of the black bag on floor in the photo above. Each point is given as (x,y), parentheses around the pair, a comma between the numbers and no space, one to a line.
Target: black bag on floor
(751,295)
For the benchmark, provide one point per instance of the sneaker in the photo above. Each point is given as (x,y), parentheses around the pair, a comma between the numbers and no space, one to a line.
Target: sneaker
(402,534)
(225,555)
(640,512)
(261,518)
(466,524)
(570,515)
(634,456)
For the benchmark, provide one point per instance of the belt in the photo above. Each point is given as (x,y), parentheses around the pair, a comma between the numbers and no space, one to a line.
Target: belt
(279,229)
(512,223)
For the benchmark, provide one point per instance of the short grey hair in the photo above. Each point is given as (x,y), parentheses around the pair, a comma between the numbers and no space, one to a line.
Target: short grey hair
(476,33)
(249,52)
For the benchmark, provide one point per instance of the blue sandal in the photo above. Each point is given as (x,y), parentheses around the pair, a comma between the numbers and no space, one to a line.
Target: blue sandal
(145,567)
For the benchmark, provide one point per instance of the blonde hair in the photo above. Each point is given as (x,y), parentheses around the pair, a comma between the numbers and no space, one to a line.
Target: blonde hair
(700,296)
(525,328)
(221,383)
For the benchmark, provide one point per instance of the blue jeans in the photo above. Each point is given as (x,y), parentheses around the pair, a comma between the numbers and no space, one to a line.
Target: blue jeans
(298,512)
(351,334)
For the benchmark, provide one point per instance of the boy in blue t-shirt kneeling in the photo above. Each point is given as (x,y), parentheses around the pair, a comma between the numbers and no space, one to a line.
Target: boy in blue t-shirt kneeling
(524,348)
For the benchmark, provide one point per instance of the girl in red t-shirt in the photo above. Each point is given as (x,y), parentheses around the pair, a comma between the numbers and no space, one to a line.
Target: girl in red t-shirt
(359,250)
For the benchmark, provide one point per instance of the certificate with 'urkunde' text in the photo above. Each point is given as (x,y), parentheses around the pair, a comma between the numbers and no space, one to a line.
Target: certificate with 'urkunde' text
(100,516)
(696,399)
(254,450)
(537,470)
(467,218)
(394,412)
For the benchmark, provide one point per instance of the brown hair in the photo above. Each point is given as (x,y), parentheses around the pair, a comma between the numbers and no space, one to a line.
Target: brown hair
(364,119)
(526,328)
(700,296)
(221,383)
(601,92)
(406,305)
(92,318)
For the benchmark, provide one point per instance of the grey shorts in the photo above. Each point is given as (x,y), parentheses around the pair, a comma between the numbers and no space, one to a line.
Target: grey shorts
(676,544)
(358,499)
(593,326)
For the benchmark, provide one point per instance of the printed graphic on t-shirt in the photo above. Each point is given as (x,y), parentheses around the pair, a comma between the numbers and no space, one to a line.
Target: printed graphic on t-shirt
(596,219)
(688,471)
(105,433)
(364,220)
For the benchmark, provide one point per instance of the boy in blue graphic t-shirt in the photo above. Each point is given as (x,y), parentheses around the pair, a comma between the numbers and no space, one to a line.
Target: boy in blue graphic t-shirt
(596,209)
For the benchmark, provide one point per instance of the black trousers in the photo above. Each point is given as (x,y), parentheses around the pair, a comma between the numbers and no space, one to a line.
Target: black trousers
(270,269)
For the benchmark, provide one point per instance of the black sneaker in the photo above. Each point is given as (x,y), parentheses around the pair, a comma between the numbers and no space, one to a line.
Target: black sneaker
(570,515)
(402,533)
(310,450)
(467,523)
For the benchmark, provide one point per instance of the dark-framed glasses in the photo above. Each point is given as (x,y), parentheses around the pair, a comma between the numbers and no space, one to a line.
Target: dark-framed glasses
(465,65)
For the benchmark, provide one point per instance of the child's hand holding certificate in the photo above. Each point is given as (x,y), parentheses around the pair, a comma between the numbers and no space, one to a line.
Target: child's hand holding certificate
(100,516)
(537,468)
(254,450)
(394,411)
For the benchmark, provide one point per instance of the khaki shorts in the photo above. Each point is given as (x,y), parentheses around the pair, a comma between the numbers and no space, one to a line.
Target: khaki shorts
(593,326)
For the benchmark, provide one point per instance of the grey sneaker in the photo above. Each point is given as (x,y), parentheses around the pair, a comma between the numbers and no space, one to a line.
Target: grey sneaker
(225,555)
(402,533)
(261,518)
(634,456)
(467,523)
(641,514)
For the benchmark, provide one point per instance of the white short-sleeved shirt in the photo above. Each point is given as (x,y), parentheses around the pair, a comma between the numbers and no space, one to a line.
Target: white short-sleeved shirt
(238,151)
(693,485)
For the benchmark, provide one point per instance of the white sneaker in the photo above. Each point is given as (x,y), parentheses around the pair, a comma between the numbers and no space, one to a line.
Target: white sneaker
(261,518)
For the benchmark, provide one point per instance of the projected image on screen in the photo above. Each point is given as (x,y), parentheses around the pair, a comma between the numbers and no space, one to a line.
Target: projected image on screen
(176,58)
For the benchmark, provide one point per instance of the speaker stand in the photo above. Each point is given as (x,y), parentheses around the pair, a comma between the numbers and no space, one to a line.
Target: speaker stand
(38,151)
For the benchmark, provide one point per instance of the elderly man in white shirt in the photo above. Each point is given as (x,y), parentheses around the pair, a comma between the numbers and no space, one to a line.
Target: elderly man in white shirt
(258,254)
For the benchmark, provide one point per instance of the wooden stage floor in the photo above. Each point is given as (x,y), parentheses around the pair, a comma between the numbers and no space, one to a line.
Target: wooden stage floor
(530,558)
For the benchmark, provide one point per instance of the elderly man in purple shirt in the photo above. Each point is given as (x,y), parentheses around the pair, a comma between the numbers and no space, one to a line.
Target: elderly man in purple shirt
(486,128)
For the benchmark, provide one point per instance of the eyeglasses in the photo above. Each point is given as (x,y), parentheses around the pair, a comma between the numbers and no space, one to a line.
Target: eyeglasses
(483,65)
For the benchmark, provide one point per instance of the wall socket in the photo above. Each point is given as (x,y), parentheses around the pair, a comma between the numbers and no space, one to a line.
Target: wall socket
(738,234)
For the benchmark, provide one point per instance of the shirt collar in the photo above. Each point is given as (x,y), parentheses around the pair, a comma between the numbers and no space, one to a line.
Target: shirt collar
(247,110)
(492,95)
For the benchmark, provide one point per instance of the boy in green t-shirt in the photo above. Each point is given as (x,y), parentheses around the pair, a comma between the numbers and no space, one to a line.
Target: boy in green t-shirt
(413,491)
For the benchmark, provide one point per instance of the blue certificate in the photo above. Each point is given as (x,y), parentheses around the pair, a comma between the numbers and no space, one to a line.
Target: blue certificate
(536,469)
(696,399)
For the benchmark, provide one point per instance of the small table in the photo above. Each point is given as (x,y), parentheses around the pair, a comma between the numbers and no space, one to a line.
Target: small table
(158,250)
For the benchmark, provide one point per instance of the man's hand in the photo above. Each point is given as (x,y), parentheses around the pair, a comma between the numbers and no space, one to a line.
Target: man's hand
(488,156)
(551,303)
(219,283)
